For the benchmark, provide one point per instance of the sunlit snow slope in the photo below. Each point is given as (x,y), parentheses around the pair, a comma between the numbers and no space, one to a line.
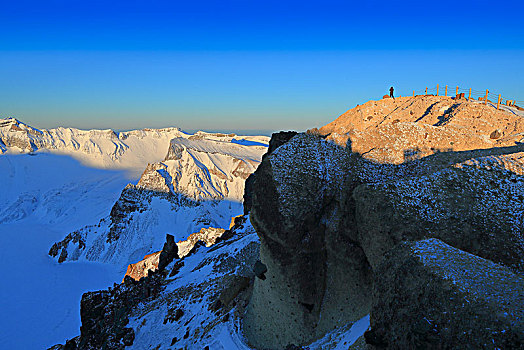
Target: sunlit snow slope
(129,150)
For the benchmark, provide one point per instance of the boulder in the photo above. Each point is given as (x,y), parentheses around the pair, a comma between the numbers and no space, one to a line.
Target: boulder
(169,252)
(478,210)
(105,314)
(297,194)
(429,295)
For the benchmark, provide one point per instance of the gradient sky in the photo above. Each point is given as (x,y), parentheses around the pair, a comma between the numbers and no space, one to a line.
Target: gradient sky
(239,65)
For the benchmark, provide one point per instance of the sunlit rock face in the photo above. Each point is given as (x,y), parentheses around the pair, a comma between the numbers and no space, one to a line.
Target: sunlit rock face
(330,206)
(151,262)
(407,128)
(140,269)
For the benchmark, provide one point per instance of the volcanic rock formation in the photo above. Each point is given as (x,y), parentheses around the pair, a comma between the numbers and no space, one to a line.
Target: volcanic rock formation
(403,215)
(338,210)
(195,303)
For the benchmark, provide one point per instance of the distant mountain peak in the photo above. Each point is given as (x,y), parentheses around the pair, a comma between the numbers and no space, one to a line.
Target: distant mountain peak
(131,150)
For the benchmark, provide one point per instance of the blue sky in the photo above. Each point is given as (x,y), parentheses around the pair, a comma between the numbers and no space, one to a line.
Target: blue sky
(243,64)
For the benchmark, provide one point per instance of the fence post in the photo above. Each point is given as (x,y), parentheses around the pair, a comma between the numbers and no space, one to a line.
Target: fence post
(498,102)
(486,98)
(437,89)
(457,92)
(426,90)
(413,93)
(446,94)
(469,97)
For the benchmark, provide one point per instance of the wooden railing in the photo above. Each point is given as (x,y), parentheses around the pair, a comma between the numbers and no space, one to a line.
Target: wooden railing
(479,95)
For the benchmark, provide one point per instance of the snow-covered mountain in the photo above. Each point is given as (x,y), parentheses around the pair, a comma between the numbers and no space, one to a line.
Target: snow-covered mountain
(138,224)
(199,183)
(129,150)
(71,183)
(204,166)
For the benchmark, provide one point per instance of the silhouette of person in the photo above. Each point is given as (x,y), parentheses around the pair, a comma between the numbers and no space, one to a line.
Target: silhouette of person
(391,92)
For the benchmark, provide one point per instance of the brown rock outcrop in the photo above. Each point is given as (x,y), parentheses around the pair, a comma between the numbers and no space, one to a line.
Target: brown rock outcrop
(140,269)
(406,128)
(330,205)
(171,250)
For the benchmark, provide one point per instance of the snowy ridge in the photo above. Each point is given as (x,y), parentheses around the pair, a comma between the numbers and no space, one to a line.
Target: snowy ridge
(130,150)
(203,169)
(138,225)
(199,184)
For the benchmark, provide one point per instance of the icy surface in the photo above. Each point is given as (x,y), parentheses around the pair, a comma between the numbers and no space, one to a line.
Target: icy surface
(39,298)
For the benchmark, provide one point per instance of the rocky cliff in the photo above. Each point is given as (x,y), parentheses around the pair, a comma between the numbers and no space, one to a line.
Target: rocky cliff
(194,302)
(349,209)
(344,248)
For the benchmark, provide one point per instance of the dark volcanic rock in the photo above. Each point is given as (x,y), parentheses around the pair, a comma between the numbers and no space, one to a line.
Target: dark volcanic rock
(127,203)
(260,269)
(104,314)
(248,190)
(475,210)
(63,256)
(234,285)
(429,295)
(169,252)
(277,140)
(297,194)
(61,247)
(327,218)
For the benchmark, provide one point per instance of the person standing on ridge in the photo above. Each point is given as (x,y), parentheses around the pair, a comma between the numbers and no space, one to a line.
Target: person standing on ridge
(391,92)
